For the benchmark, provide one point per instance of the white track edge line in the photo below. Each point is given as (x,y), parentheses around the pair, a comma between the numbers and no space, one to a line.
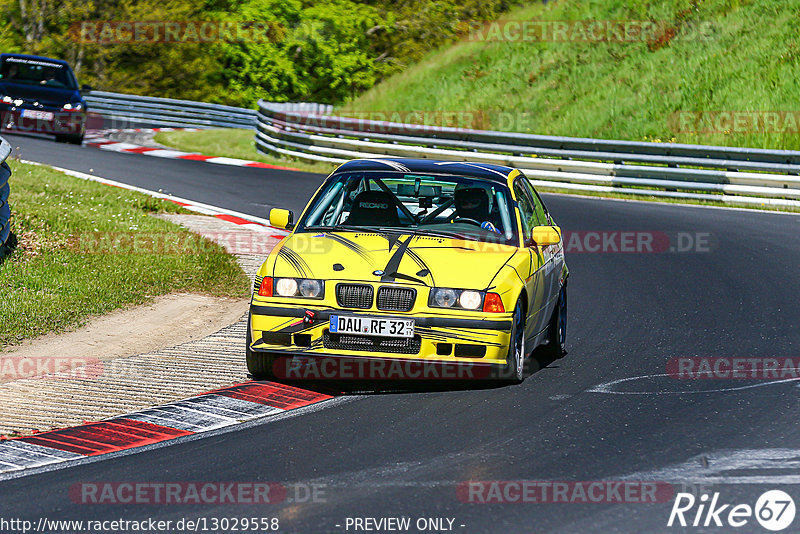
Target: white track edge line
(191,203)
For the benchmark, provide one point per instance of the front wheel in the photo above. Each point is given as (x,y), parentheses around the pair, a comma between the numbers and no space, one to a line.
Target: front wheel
(515,360)
(259,365)
(70,138)
(557,329)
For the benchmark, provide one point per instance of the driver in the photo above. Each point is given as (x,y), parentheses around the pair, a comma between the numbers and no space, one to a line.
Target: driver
(474,201)
(49,78)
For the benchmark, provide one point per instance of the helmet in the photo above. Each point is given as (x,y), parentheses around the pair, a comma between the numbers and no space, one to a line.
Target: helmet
(473,201)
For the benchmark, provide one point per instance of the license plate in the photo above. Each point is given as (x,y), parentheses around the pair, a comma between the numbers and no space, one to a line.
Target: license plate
(372,326)
(36,114)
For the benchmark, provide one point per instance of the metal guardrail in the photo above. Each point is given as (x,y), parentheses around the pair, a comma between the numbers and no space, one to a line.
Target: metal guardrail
(5,209)
(182,113)
(727,174)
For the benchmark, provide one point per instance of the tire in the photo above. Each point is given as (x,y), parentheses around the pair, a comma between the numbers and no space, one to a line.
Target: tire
(71,139)
(556,346)
(8,247)
(259,364)
(515,359)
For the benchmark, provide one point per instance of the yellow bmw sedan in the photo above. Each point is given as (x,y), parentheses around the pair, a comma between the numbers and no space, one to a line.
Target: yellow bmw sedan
(413,263)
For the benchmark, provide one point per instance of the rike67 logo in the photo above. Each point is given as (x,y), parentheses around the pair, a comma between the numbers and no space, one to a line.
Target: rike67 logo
(774,510)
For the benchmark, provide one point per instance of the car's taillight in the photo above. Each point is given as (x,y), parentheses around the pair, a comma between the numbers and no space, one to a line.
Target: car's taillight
(493,303)
(265,290)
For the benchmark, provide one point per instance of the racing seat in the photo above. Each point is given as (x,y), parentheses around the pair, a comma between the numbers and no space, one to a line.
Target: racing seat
(373,208)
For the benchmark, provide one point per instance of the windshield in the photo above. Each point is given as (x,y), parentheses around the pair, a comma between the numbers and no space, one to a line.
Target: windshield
(451,206)
(37,72)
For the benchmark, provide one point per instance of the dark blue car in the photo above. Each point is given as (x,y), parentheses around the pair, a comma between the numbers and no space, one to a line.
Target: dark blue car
(41,95)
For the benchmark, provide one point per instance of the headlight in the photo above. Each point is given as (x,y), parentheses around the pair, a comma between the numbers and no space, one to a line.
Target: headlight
(71,107)
(465,299)
(299,287)
(444,298)
(470,300)
(286,287)
(7,99)
(311,288)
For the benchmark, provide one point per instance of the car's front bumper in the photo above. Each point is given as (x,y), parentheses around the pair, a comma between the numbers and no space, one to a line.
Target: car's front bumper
(475,340)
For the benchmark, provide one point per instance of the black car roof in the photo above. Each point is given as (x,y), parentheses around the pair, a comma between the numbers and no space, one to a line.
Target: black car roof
(486,171)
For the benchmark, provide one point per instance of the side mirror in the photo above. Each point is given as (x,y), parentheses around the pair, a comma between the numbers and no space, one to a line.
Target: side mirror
(283,219)
(546,235)
(87,88)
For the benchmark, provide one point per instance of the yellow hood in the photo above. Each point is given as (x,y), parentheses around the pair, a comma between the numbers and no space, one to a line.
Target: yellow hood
(372,257)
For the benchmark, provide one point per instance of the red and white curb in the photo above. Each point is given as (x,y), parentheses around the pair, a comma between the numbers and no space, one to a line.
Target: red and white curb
(98,139)
(203,413)
(251,222)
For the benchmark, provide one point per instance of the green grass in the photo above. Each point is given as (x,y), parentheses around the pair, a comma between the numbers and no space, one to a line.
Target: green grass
(232,143)
(748,61)
(62,272)
(746,58)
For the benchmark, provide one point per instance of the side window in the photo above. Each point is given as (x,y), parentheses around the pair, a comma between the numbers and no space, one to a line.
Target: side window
(526,209)
(538,205)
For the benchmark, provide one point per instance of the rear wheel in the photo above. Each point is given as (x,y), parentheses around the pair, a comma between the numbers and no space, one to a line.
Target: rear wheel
(515,360)
(259,364)
(557,329)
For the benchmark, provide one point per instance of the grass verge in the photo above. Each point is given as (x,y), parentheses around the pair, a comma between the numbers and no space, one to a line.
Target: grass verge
(232,143)
(86,249)
(707,57)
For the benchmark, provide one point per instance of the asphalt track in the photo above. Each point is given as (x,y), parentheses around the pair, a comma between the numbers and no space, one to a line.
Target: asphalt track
(405,453)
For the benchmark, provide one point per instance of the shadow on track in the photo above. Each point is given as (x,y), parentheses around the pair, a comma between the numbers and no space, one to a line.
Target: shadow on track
(370,386)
